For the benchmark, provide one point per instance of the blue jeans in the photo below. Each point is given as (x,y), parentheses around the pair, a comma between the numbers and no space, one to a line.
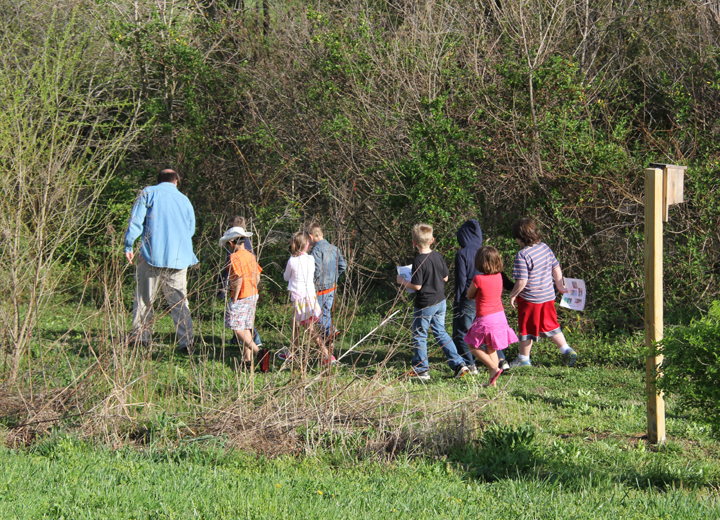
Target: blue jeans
(432,318)
(463,317)
(326,304)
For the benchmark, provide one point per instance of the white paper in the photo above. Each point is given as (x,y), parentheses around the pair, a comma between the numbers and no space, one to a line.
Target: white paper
(406,272)
(575,299)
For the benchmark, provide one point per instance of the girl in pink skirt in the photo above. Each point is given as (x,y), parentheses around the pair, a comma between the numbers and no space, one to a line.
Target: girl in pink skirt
(299,273)
(490,330)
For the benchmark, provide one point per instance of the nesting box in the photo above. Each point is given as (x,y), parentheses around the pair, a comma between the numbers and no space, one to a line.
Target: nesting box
(673,180)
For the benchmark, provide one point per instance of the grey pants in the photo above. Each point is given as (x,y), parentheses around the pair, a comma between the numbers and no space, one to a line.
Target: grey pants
(174,286)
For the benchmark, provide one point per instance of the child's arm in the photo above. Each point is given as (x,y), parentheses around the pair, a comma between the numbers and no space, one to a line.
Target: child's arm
(402,281)
(236,289)
(519,286)
(508,284)
(288,272)
(472,290)
(559,281)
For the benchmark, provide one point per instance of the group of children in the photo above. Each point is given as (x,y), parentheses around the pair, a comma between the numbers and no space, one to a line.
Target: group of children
(483,333)
(312,277)
(480,327)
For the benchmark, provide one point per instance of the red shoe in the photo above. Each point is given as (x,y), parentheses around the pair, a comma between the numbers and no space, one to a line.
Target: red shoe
(494,378)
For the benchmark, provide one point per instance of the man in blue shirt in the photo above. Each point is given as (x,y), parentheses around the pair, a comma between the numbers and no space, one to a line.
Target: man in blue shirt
(166,220)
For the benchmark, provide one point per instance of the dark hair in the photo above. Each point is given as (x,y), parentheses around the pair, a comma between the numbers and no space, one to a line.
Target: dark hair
(488,260)
(525,230)
(168,175)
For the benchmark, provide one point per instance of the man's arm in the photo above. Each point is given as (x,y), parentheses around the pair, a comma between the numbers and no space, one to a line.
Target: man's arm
(135,224)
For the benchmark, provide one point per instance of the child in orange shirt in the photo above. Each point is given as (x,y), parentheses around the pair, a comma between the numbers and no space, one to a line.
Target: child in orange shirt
(244,275)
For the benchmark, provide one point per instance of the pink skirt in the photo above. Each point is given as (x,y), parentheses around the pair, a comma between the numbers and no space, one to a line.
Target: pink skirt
(491,330)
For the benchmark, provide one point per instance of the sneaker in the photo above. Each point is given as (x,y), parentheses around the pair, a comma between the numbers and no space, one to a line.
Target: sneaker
(503,365)
(329,361)
(461,371)
(473,370)
(284,354)
(569,358)
(519,363)
(420,376)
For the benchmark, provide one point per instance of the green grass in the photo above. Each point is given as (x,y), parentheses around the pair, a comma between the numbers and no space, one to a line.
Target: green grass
(550,442)
(65,479)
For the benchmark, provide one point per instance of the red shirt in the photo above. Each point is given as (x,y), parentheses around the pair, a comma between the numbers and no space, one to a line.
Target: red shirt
(487,298)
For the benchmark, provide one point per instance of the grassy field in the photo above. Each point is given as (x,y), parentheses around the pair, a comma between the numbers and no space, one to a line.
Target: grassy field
(100,431)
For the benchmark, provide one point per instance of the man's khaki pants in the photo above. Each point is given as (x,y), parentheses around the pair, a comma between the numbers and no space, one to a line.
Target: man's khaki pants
(174,286)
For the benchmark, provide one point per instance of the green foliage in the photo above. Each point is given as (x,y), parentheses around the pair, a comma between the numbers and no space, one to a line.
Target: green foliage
(691,366)
(438,177)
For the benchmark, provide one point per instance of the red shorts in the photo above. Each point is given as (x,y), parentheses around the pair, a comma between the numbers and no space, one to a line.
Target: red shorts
(536,320)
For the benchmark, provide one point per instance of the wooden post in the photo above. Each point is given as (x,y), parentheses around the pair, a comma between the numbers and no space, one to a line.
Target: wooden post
(654,210)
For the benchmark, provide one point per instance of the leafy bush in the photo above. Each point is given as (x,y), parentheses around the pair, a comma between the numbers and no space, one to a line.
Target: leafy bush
(691,368)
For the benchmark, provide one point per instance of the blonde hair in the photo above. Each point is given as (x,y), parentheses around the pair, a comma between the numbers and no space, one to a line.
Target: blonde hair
(299,243)
(488,260)
(314,229)
(422,234)
(237,221)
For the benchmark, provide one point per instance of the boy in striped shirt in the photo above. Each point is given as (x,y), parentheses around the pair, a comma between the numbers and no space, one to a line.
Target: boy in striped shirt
(534,271)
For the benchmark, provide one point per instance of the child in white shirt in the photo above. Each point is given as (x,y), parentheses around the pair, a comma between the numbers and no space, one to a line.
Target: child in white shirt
(299,273)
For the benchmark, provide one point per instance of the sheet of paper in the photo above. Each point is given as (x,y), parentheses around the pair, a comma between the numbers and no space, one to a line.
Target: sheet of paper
(406,272)
(575,299)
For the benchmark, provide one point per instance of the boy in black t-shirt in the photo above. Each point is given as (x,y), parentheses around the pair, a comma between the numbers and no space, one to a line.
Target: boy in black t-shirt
(429,274)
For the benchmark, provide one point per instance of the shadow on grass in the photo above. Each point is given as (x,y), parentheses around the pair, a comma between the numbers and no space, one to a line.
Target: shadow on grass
(504,452)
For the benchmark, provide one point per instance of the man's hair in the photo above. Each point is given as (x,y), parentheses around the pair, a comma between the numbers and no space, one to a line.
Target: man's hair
(314,229)
(237,221)
(422,234)
(168,175)
(299,241)
(525,230)
(488,260)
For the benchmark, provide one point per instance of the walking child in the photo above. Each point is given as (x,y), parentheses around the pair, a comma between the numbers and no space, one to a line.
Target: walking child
(535,270)
(236,221)
(490,332)
(429,274)
(329,265)
(243,278)
(299,273)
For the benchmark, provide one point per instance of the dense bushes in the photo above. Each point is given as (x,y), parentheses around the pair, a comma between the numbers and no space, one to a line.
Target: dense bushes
(374,115)
(691,367)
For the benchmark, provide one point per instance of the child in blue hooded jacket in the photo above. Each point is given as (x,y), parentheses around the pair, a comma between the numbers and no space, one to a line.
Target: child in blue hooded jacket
(470,238)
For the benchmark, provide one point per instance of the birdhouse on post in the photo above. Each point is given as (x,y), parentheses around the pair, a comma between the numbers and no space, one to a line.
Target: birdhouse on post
(663,188)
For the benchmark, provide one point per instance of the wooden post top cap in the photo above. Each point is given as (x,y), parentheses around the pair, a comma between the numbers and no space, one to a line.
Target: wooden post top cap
(662,166)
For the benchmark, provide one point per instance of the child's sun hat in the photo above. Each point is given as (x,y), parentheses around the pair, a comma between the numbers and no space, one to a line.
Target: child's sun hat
(232,234)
